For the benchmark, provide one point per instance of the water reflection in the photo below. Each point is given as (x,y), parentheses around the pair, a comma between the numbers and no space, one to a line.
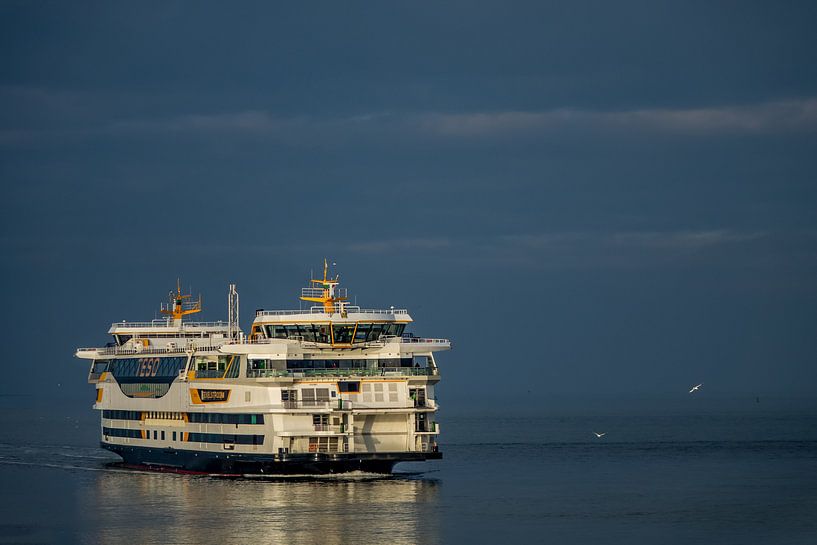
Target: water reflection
(162,508)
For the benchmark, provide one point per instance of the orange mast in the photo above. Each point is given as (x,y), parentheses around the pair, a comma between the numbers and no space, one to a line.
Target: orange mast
(327,297)
(178,307)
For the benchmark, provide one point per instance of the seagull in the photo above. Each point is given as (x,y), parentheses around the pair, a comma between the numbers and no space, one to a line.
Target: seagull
(694,388)
(600,435)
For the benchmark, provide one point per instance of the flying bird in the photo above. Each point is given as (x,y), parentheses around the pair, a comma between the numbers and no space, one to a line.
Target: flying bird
(600,435)
(695,388)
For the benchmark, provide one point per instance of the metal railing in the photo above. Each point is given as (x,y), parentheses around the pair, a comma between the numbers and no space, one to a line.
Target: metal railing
(425,427)
(420,340)
(147,350)
(209,373)
(340,428)
(306,404)
(320,310)
(170,323)
(360,372)
(381,341)
(425,403)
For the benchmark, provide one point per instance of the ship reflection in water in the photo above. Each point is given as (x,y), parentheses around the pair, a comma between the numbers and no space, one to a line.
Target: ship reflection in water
(162,508)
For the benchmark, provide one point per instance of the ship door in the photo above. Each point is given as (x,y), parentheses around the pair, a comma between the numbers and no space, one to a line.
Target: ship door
(419,396)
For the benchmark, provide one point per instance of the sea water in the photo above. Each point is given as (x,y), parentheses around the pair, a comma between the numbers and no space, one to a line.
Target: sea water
(746,475)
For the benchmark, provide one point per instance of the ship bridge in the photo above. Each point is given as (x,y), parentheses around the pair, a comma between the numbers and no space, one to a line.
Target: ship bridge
(332,322)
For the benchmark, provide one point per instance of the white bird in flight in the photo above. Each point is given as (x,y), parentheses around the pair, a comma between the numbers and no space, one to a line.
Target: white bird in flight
(599,435)
(695,388)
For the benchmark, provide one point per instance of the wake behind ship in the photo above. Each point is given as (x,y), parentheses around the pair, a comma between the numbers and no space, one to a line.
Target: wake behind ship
(330,389)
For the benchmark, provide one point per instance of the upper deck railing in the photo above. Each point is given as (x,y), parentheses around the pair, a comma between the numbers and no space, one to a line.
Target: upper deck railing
(169,323)
(380,342)
(353,372)
(351,309)
(148,350)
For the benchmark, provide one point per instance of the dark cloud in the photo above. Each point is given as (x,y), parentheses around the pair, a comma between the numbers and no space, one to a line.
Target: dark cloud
(629,185)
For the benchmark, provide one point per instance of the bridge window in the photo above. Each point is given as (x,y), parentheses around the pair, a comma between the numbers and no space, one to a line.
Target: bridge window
(375,332)
(342,334)
(362,332)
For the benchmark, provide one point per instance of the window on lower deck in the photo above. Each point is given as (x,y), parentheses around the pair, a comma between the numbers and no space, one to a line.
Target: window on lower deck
(323,444)
(320,420)
(289,395)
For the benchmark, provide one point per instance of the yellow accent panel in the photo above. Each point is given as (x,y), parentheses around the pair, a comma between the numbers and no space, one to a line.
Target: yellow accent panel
(103,376)
(195,398)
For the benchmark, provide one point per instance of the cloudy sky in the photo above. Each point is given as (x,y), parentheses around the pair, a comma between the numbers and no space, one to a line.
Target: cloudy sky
(596,198)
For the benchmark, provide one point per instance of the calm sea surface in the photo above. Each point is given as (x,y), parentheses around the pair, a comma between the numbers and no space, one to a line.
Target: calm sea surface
(747,476)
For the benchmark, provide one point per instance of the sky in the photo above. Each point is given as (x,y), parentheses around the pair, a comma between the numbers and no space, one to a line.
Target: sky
(590,199)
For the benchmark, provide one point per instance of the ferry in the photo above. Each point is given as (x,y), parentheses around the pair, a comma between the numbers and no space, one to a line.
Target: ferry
(330,388)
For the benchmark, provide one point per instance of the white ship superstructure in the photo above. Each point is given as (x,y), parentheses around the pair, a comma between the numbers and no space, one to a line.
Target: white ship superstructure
(330,388)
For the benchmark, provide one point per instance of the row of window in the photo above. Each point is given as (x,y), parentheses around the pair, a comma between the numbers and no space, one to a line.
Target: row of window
(225,418)
(193,418)
(154,368)
(220,367)
(164,370)
(122,415)
(372,363)
(225,438)
(221,438)
(118,432)
(336,334)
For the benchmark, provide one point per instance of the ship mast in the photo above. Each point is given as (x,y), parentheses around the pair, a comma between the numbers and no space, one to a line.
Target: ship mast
(326,293)
(178,307)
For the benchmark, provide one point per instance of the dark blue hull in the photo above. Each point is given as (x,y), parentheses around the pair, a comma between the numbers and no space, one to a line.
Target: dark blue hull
(319,463)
